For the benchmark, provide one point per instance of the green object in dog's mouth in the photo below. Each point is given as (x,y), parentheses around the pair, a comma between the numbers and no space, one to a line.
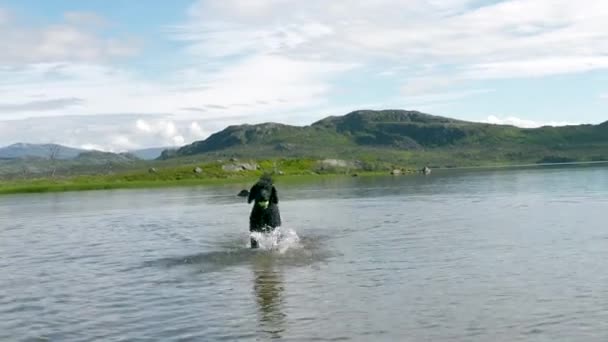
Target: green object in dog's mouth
(263,204)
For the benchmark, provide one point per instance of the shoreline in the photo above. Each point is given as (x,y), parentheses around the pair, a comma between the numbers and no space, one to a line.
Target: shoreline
(523,166)
(88,183)
(40,186)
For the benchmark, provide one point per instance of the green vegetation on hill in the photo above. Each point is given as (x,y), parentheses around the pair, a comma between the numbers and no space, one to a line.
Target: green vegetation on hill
(405,137)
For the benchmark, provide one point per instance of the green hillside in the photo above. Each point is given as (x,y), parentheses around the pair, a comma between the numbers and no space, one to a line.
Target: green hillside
(405,137)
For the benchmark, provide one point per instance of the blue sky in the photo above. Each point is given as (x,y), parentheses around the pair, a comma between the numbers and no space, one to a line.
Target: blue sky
(122,74)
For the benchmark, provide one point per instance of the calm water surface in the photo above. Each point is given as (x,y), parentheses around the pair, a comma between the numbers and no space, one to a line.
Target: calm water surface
(518,255)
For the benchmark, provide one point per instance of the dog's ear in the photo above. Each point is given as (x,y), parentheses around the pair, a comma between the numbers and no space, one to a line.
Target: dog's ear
(253,193)
(274,197)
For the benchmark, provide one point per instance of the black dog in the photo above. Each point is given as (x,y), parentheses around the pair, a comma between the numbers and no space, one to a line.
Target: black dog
(265,215)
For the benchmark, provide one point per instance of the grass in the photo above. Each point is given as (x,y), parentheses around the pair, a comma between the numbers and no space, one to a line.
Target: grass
(79,184)
(291,170)
(288,170)
(48,185)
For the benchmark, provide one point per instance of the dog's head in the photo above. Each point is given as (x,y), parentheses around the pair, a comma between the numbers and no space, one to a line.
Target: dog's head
(264,186)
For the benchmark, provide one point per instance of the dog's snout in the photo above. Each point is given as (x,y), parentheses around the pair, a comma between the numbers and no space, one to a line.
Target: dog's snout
(265,194)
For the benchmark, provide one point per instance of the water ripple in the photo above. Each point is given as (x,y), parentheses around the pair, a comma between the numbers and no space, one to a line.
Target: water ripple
(494,256)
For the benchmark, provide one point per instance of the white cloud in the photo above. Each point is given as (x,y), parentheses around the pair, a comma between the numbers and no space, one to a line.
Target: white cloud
(312,29)
(178,140)
(92,147)
(515,121)
(143,126)
(196,131)
(114,133)
(163,131)
(248,87)
(121,143)
(271,82)
(537,67)
(39,105)
(433,47)
(169,130)
(73,39)
(409,30)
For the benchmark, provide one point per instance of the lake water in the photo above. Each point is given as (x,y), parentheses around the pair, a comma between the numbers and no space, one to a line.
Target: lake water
(503,255)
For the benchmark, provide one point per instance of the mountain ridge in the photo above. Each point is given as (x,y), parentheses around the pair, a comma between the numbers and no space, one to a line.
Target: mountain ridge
(45,151)
(389,130)
(23,150)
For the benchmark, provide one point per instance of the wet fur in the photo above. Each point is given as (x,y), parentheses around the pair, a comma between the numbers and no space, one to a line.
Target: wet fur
(264,219)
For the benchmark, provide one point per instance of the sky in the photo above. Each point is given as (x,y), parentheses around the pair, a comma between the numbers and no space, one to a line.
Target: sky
(118,75)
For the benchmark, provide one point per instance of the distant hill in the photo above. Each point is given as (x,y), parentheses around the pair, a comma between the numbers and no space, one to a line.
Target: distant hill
(98,157)
(148,153)
(86,162)
(24,150)
(44,151)
(406,136)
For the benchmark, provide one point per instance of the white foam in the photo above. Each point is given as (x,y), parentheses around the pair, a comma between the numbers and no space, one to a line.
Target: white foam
(281,239)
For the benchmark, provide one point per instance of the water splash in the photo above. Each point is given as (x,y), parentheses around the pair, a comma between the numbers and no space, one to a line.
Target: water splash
(280,240)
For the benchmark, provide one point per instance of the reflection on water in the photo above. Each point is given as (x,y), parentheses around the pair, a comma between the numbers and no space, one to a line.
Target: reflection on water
(285,248)
(268,287)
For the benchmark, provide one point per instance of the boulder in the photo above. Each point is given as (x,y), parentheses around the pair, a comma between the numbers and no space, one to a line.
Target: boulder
(284,147)
(197,170)
(396,172)
(249,166)
(152,170)
(335,163)
(339,164)
(240,167)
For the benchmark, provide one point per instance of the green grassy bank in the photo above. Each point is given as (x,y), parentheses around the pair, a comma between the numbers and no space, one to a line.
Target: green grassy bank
(185,175)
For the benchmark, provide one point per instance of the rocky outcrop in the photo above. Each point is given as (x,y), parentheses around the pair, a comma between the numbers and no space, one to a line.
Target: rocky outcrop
(285,147)
(240,167)
(336,164)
